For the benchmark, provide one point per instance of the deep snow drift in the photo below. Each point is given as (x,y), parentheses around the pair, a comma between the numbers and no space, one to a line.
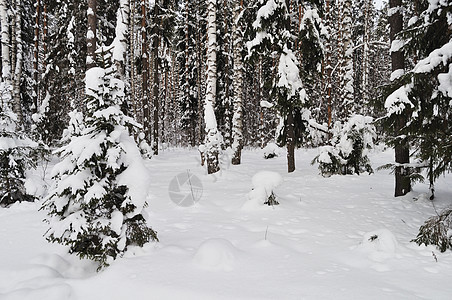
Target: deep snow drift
(342,237)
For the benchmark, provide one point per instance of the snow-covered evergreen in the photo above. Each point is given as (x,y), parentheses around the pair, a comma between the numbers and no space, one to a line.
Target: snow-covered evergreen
(96,205)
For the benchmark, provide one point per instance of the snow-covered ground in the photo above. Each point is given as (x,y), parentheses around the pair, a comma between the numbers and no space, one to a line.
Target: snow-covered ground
(343,237)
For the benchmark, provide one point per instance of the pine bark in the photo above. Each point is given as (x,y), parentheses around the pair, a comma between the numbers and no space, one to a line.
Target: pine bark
(402,153)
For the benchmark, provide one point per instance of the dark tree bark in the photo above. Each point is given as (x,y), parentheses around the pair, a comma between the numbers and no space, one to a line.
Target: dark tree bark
(290,134)
(402,153)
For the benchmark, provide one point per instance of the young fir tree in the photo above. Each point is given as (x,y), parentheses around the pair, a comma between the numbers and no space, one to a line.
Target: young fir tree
(16,153)
(96,206)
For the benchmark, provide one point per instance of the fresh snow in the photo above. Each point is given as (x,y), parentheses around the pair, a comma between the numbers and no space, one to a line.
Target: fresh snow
(342,237)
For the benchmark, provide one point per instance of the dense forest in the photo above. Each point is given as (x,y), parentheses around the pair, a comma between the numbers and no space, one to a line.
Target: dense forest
(99,83)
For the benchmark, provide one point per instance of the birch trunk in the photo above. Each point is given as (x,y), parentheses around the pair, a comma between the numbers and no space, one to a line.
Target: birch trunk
(237,126)
(213,138)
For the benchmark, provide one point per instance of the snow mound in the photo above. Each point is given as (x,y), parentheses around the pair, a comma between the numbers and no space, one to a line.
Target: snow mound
(272,150)
(264,182)
(216,255)
(381,240)
(267,179)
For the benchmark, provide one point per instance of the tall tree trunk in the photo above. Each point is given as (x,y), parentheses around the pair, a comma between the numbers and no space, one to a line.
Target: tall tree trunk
(213,138)
(132,55)
(402,153)
(36,56)
(91,35)
(121,42)
(156,79)
(237,130)
(290,134)
(145,73)
(18,61)
(328,69)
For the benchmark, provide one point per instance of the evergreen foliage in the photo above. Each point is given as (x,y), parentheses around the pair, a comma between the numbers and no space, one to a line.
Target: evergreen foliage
(436,231)
(348,153)
(424,93)
(16,156)
(95,208)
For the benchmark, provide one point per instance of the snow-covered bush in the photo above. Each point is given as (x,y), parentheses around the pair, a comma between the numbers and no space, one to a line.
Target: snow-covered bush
(96,205)
(350,143)
(264,183)
(16,156)
(437,231)
(272,150)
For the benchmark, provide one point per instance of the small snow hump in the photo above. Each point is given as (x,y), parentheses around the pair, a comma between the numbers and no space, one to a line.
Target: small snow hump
(264,182)
(216,255)
(381,240)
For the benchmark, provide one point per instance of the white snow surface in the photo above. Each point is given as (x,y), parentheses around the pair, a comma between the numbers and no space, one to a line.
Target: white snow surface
(342,237)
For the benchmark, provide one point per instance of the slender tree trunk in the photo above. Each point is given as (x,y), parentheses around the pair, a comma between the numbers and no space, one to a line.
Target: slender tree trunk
(132,55)
(328,69)
(36,56)
(18,63)
(237,130)
(145,73)
(91,35)
(156,82)
(119,53)
(290,134)
(213,139)
(402,153)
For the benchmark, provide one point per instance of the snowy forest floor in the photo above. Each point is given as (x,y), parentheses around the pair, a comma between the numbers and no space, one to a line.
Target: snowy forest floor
(315,245)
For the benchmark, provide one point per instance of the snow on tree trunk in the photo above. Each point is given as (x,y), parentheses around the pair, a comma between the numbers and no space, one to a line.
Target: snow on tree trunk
(6,63)
(156,80)
(213,136)
(402,153)
(91,34)
(18,63)
(237,127)
(145,74)
(346,61)
(120,41)
(36,56)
